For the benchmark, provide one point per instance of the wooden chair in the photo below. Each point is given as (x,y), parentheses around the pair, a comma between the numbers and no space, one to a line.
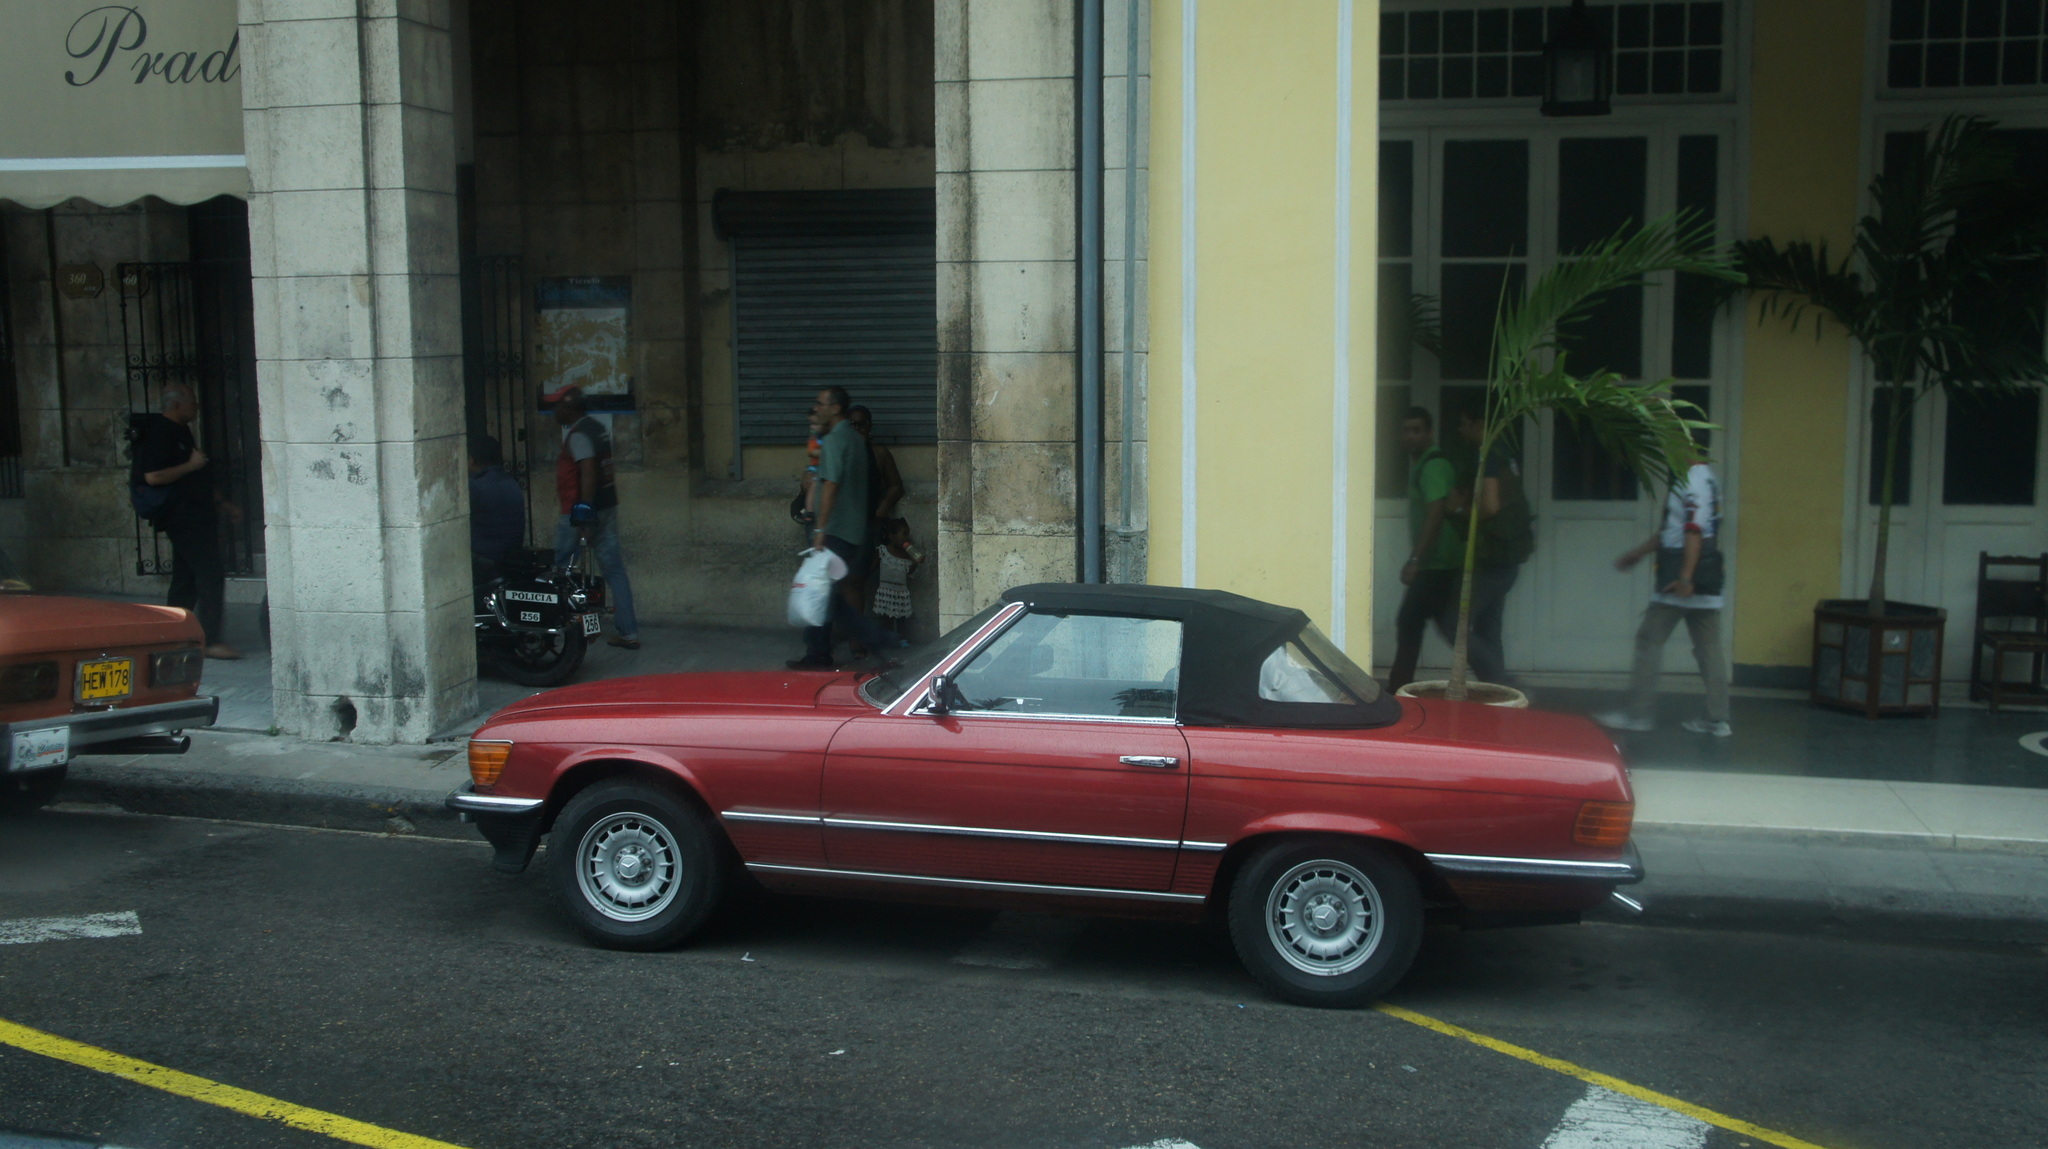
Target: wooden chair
(2012,619)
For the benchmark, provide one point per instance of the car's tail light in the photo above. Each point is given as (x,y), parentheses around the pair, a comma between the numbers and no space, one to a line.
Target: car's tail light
(1604,823)
(28,681)
(176,667)
(487,760)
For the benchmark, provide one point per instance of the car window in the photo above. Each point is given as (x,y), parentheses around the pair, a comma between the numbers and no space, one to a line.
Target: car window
(918,661)
(1289,675)
(1077,664)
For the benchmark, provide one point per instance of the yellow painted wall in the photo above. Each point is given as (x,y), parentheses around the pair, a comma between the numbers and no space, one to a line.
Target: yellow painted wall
(1804,178)
(1266,330)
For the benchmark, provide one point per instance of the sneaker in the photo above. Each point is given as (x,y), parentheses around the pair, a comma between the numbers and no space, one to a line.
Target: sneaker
(1706,726)
(222,651)
(1624,720)
(620,640)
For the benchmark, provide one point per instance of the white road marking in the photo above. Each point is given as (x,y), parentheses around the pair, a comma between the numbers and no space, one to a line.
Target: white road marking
(1168,1143)
(2034,742)
(22,931)
(1021,941)
(1604,1119)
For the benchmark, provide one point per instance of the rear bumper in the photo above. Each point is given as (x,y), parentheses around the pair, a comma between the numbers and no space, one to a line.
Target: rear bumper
(100,728)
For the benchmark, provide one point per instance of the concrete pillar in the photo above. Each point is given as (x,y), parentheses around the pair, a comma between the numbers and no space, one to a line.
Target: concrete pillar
(349,128)
(1005,126)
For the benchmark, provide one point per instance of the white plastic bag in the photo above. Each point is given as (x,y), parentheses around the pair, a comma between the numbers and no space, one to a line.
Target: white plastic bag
(810,592)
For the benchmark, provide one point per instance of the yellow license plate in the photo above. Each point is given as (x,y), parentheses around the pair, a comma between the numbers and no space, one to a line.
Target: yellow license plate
(106,678)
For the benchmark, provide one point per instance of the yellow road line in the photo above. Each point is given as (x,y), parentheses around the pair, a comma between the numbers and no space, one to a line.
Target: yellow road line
(1595,1077)
(212,1092)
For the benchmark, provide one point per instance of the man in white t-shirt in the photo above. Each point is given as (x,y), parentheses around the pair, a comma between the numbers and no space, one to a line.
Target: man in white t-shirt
(1688,588)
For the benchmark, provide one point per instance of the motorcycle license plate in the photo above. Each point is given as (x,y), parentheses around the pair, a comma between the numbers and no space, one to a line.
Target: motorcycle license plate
(592,623)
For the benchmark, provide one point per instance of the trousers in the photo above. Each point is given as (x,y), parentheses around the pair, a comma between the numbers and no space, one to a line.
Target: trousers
(1430,596)
(198,575)
(1705,628)
(846,616)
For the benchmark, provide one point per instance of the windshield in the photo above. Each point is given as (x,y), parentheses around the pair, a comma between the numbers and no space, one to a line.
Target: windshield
(10,575)
(917,662)
(1338,664)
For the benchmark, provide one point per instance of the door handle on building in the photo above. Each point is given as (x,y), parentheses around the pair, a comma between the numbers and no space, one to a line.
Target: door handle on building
(1161,762)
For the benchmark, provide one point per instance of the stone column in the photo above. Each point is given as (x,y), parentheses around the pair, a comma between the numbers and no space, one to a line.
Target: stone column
(349,130)
(1005,121)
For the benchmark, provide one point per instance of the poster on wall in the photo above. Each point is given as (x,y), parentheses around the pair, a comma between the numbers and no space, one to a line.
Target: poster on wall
(584,330)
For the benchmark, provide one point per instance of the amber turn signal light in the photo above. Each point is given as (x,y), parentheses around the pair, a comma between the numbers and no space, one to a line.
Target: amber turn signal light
(1600,823)
(487,761)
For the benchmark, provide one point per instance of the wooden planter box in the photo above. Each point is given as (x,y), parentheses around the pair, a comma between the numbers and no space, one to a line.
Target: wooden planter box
(1889,664)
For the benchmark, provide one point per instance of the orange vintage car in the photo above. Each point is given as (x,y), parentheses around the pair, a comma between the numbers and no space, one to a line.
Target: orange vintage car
(84,676)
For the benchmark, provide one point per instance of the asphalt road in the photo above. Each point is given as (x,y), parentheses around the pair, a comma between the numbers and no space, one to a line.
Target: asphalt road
(399,982)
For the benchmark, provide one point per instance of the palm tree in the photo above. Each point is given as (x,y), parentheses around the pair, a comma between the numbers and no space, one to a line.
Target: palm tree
(1944,287)
(1639,424)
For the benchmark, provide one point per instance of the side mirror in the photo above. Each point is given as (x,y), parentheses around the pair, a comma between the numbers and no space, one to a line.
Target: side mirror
(940,699)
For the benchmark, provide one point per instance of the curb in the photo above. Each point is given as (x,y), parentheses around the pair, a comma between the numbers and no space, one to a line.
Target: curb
(1873,839)
(322,805)
(1996,928)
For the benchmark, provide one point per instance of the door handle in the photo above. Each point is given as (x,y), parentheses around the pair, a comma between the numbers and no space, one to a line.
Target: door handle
(1161,762)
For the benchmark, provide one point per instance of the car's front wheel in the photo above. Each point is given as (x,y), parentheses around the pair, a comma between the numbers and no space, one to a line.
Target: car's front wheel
(1325,922)
(635,865)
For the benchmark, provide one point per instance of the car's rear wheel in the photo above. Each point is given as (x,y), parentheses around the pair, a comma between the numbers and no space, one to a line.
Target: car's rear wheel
(1325,922)
(24,793)
(635,865)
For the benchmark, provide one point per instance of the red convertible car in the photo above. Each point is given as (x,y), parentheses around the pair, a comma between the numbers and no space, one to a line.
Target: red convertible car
(1126,750)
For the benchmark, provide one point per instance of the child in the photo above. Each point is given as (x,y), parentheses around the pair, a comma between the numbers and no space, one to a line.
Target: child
(895,559)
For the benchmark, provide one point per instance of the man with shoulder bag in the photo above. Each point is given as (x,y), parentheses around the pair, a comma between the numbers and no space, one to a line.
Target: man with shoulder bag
(1690,579)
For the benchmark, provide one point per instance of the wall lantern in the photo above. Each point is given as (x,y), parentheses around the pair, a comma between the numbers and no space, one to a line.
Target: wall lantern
(1578,69)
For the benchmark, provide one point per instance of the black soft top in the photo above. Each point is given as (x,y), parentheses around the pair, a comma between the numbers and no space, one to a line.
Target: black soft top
(1225,638)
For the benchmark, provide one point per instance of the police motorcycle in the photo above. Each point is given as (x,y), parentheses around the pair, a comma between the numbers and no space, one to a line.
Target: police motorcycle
(534,619)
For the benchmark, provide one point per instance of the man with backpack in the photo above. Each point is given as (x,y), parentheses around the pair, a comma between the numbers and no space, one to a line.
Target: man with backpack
(171,487)
(1507,537)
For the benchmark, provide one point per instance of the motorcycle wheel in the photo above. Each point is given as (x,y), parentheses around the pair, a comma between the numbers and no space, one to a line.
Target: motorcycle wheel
(532,659)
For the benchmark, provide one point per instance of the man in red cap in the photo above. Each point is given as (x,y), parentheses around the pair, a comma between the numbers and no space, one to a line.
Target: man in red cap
(590,505)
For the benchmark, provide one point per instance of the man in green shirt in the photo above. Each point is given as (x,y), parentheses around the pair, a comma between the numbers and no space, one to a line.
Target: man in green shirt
(842,528)
(1436,549)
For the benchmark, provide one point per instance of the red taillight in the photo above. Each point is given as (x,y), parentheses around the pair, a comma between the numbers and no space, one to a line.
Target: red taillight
(1604,824)
(487,760)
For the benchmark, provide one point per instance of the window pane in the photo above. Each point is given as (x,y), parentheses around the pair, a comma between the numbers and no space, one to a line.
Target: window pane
(1694,300)
(1581,470)
(1396,336)
(1471,297)
(1610,337)
(1902,475)
(1703,398)
(1082,664)
(1486,198)
(1397,197)
(1909,19)
(1988,456)
(1600,187)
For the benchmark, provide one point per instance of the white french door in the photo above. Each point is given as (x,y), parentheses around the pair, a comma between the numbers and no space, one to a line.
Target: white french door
(1470,210)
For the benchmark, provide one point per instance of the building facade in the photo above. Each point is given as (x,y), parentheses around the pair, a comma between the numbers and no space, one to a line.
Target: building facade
(1124,283)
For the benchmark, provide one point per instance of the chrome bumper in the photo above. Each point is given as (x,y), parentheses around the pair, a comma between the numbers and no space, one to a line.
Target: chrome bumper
(1627,871)
(99,727)
(465,800)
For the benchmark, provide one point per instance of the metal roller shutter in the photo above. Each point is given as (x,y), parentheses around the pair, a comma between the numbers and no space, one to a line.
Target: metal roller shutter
(834,288)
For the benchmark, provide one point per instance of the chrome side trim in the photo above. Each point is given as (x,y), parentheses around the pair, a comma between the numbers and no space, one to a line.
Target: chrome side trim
(1205,847)
(921,710)
(975,884)
(492,804)
(1019,835)
(1629,869)
(752,816)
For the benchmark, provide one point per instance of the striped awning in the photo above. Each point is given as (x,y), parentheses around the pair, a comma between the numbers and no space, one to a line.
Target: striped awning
(112,102)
